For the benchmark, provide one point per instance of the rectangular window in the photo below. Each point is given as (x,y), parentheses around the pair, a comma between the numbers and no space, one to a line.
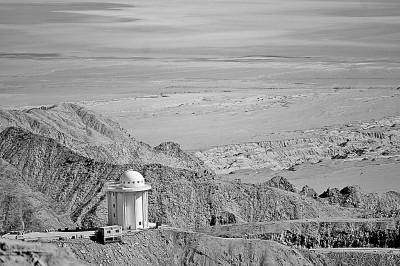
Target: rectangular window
(140,223)
(113,193)
(113,205)
(114,214)
(117,231)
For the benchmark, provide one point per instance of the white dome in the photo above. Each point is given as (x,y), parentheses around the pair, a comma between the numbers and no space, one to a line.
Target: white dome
(132,179)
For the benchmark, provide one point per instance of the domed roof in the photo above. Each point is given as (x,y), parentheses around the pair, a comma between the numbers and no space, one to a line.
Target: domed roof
(132,179)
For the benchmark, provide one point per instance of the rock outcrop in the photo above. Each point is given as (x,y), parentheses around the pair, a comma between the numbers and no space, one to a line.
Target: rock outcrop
(309,192)
(281,183)
(355,197)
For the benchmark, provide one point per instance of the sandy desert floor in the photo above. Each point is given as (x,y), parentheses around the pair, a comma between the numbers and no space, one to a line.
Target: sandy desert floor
(203,119)
(211,73)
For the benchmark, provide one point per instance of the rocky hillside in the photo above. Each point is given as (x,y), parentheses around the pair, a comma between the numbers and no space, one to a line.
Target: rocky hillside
(22,207)
(168,246)
(201,201)
(74,185)
(366,141)
(71,182)
(63,183)
(55,162)
(177,247)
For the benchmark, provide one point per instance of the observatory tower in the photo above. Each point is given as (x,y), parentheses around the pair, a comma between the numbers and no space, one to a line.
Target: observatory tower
(128,201)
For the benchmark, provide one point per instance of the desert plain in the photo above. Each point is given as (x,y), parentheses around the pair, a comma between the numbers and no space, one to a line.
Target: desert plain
(209,74)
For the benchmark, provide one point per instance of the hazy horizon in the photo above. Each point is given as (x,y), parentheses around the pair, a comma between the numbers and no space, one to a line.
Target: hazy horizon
(54,51)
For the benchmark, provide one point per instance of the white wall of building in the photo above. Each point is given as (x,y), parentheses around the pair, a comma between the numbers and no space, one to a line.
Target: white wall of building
(112,207)
(139,210)
(120,209)
(128,209)
(145,207)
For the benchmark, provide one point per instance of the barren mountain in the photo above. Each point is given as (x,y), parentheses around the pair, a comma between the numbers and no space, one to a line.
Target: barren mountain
(72,183)
(180,197)
(55,161)
(93,136)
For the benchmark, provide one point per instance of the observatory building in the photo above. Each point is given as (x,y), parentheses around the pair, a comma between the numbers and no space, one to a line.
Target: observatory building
(128,201)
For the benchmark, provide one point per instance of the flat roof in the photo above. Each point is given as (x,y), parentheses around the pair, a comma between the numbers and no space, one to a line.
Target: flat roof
(116,226)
